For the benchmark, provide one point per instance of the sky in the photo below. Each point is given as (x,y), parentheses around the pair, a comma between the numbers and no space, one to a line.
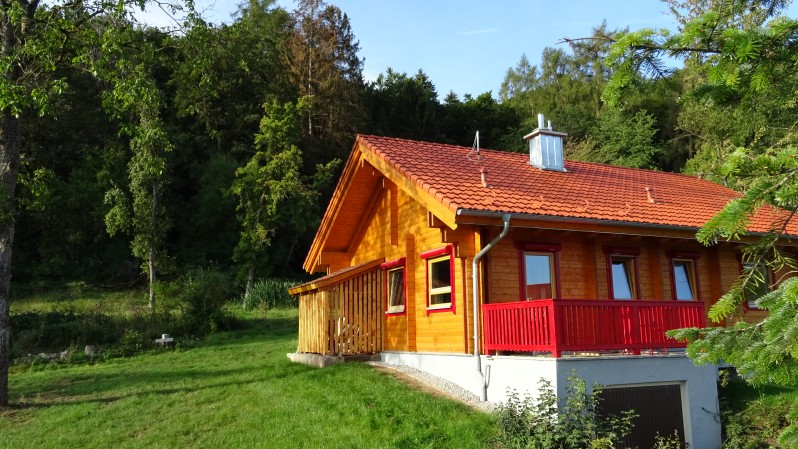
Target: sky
(467,46)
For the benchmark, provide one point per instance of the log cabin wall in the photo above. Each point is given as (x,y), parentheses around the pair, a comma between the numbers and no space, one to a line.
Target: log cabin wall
(400,227)
(314,316)
(583,265)
(396,226)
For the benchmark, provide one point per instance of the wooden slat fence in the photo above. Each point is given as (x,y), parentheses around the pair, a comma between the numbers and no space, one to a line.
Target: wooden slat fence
(343,318)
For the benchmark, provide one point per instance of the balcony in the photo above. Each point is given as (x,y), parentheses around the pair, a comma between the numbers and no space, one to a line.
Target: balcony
(556,326)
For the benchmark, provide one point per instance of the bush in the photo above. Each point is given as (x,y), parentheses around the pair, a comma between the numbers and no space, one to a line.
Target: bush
(36,332)
(270,294)
(192,306)
(525,423)
(33,332)
(756,418)
(201,295)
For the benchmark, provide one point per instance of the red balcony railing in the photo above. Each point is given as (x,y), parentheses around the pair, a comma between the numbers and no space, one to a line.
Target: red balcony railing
(549,325)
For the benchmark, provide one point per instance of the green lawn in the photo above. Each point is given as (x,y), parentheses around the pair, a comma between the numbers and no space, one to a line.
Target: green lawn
(238,390)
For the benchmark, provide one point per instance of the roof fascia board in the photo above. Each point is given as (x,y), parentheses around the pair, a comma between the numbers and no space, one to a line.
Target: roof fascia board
(445,214)
(333,279)
(479,217)
(557,218)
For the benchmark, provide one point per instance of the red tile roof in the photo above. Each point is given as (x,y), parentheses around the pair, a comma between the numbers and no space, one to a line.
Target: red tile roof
(451,175)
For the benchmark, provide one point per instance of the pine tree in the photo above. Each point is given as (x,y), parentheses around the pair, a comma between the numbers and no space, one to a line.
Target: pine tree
(743,60)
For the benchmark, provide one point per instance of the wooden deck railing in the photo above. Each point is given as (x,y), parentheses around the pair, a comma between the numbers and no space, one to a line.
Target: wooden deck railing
(344,316)
(549,325)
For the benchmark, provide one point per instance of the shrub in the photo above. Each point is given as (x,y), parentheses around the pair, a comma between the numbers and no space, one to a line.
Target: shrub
(270,294)
(755,418)
(35,332)
(671,442)
(42,331)
(202,295)
(535,423)
(192,306)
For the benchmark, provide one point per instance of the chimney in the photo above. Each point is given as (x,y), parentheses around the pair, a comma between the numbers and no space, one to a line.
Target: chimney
(545,147)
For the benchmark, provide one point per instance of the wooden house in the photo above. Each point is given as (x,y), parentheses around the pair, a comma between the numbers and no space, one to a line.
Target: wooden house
(496,269)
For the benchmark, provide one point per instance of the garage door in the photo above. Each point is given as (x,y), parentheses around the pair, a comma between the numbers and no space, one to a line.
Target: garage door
(659,410)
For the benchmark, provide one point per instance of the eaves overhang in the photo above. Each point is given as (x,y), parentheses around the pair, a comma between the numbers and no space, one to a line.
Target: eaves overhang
(410,184)
(556,222)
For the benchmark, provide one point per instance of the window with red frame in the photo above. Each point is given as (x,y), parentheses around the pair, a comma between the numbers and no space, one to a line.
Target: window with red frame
(395,286)
(622,273)
(539,271)
(440,279)
(539,278)
(439,274)
(684,285)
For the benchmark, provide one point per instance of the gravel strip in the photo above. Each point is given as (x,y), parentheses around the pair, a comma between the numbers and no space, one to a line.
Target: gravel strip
(442,385)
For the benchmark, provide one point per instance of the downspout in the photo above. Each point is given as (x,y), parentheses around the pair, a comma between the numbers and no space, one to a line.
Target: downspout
(475,279)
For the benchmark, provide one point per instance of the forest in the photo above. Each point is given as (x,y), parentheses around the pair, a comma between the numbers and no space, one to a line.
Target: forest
(188,164)
(159,154)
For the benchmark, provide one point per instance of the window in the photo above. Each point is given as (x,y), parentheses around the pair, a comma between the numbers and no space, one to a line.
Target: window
(623,284)
(440,279)
(440,282)
(758,286)
(395,289)
(684,276)
(684,280)
(622,273)
(539,273)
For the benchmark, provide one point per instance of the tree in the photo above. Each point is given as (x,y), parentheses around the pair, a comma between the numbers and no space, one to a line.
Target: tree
(272,194)
(321,54)
(403,106)
(743,60)
(140,209)
(226,73)
(567,85)
(619,139)
(129,59)
(460,120)
(519,84)
(35,41)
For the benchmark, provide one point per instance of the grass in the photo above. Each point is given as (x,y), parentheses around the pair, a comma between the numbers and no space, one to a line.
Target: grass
(81,299)
(238,390)
(754,417)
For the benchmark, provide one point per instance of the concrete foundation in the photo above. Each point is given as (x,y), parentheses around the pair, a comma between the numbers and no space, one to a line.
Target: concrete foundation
(698,384)
(323,361)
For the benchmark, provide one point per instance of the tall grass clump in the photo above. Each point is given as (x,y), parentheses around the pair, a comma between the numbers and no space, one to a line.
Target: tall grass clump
(270,293)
